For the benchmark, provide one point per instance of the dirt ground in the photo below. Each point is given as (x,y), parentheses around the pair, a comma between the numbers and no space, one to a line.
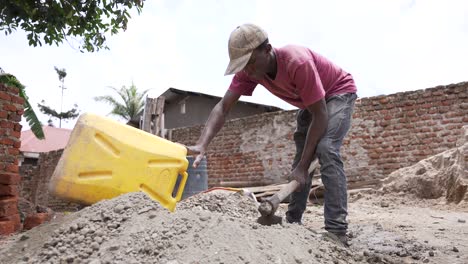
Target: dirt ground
(406,228)
(221,228)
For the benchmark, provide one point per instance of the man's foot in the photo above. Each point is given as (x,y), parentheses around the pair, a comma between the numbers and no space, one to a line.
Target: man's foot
(290,220)
(340,239)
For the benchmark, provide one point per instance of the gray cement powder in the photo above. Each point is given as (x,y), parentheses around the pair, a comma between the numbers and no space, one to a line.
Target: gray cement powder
(206,228)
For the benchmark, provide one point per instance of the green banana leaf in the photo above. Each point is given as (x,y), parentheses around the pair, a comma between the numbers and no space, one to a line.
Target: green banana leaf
(31,117)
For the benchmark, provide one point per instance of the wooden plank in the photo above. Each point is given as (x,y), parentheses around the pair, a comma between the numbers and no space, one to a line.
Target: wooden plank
(265,194)
(268,188)
(242,184)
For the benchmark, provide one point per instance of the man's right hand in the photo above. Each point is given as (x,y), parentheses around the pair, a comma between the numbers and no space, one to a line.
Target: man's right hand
(196,150)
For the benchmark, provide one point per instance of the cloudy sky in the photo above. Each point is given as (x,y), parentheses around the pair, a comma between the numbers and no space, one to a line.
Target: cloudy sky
(389,46)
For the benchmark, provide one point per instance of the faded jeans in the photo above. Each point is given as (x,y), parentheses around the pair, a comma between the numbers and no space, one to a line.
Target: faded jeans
(340,109)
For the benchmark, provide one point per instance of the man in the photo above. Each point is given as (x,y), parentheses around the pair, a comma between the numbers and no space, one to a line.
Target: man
(324,94)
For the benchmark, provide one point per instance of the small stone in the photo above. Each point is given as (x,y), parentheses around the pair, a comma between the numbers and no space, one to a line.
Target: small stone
(455,249)
(205,218)
(416,256)
(298,260)
(98,240)
(461,221)
(84,231)
(425,241)
(119,208)
(310,251)
(144,210)
(95,245)
(113,248)
(151,216)
(254,227)
(431,253)
(384,204)
(24,237)
(426,261)
(365,253)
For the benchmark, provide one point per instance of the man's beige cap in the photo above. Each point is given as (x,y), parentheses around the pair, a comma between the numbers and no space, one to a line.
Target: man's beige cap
(243,40)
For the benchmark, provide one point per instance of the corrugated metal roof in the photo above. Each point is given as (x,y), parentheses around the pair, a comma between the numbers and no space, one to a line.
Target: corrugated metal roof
(174,95)
(55,139)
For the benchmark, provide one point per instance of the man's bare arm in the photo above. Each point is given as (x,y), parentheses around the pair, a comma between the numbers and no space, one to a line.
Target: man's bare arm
(213,125)
(317,129)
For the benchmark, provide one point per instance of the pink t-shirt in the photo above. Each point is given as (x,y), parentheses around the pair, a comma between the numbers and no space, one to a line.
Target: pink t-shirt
(303,77)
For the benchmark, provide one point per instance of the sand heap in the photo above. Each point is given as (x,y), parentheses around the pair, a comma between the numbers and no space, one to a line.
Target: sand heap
(206,228)
(442,175)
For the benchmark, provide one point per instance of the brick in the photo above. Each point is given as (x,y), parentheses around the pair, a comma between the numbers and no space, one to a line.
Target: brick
(9,190)
(10,178)
(7,124)
(14,117)
(7,141)
(13,90)
(17,99)
(12,168)
(9,107)
(5,96)
(15,134)
(16,219)
(18,127)
(7,228)
(13,151)
(20,112)
(34,220)
(3,114)
(8,206)
(17,144)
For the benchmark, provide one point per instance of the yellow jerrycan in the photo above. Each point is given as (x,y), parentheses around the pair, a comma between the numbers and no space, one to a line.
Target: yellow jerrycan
(104,159)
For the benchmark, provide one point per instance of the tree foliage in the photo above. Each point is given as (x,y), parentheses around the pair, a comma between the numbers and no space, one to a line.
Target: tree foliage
(128,104)
(52,21)
(31,117)
(70,114)
(62,73)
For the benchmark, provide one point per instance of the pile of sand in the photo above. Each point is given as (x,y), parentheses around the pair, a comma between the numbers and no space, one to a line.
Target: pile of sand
(442,175)
(206,228)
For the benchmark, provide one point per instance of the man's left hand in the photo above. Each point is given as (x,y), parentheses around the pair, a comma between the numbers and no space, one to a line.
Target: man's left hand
(300,175)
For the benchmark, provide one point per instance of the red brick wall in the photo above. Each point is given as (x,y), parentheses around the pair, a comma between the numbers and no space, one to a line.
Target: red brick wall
(388,133)
(35,180)
(11,109)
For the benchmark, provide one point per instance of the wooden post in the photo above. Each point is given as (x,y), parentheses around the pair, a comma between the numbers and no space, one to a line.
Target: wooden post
(159,118)
(146,126)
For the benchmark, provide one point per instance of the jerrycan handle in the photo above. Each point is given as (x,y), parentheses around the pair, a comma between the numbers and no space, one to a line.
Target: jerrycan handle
(181,187)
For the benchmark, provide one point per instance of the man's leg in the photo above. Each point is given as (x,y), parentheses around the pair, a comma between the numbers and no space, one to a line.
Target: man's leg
(298,200)
(340,109)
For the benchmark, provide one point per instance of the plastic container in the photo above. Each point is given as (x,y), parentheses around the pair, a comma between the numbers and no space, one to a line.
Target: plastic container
(105,158)
(197,181)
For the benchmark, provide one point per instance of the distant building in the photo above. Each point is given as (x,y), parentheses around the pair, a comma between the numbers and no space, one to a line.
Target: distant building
(55,139)
(186,108)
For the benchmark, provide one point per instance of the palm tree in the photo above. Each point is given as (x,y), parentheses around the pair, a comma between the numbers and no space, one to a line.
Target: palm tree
(29,114)
(128,104)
